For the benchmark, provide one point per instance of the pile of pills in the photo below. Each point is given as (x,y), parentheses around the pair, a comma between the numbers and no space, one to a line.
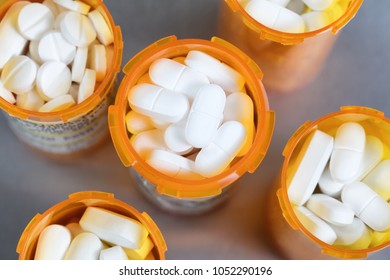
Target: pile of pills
(340,190)
(295,16)
(99,235)
(52,54)
(190,116)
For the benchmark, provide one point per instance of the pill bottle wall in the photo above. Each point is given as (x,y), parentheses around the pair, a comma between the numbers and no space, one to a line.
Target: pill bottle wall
(183,195)
(287,228)
(289,60)
(72,209)
(82,127)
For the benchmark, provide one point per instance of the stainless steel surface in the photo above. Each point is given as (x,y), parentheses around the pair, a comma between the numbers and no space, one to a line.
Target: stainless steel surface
(357,73)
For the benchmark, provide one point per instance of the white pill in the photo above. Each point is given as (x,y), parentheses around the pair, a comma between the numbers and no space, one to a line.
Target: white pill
(141,253)
(160,124)
(147,141)
(239,107)
(296,6)
(33,51)
(77,29)
(310,164)
(6,94)
(315,225)
(328,185)
(216,157)
(172,164)
(355,235)
(54,8)
(114,228)
(34,20)
(30,101)
(87,85)
(97,60)
(79,64)
(53,79)
(85,246)
(136,123)
(75,229)
(318,5)
(330,209)
(205,116)
(53,46)
(175,139)
(282,3)
(74,5)
(316,20)
(218,72)
(59,103)
(13,42)
(19,74)
(113,253)
(379,179)
(367,205)
(348,151)
(53,243)
(275,16)
(103,30)
(175,76)
(157,102)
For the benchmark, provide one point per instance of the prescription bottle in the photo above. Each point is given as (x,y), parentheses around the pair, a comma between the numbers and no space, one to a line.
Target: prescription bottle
(71,210)
(185,196)
(76,130)
(289,60)
(286,232)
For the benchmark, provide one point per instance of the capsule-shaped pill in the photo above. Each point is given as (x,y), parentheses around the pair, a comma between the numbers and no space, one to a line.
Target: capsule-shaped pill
(175,76)
(147,141)
(215,157)
(85,246)
(348,151)
(53,243)
(355,235)
(328,185)
(136,122)
(373,210)
(205,115)
(379,179)
(157,102)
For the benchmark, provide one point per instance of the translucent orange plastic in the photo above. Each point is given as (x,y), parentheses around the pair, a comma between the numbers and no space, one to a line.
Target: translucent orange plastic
(295,241)
(170,47)
(289,60)
(101,93)
(71,210)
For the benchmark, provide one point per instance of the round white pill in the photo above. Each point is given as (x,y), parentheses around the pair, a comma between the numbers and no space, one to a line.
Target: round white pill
(87,85)
(34,20)
(330,209)
(79,64)
(379,179)
(367,205)
(102,29)
(53,243)
(77,29)
(356,235)
(74,5)
(174,137)
(348,151)
(30,101)
(19,74)
(113,253)
(59,103)
(53,79)
(97,60)
(6,94)
(53,46)
(85,246)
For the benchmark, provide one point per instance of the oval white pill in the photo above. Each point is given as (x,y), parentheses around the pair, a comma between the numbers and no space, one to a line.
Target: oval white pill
(175,76)
(79,64)
(34,20)
(205,116)
(147,141)
(6,94)
(97,60)
(77,29)
(318,5)
(19,74)
(215,157)
(136,123)
(30,101)
(53,79)
(114,228)
(74,5)
(102,29)
(379,179)
(315,225)
(175,139)
(356,235)
(53,243)
(172,164)
(275,16)
(157,102)
(87,85)
(330,209)
(373,153)
(367,205)
(59,103)
(218,72)
(113,253)
(85,246)
(348,151)
(53,46)
(313,157)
